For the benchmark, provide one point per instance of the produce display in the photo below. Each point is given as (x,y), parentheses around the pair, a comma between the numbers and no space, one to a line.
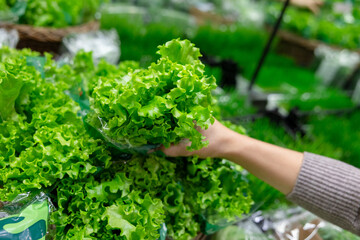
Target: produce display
(87,134)
(299,86)
(285,222)
(58,14)
(98,193)
(139,40)
(337,27)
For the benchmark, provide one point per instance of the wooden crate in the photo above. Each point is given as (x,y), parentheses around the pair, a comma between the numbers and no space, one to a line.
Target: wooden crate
(46,39)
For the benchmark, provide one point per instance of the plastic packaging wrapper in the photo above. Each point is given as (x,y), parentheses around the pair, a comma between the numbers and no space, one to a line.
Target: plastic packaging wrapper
(77,93)
(299,224)
(247,12)
(9,38)
(211,220)
(346,9)
(284,224)
(26,217)
(147,13)
(163,232)
(296,224)
(211,228)
(102,44)
(126,149)
(335,65)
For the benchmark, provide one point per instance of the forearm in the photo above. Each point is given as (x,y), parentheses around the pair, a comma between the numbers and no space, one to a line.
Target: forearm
(326,187)
(277,166)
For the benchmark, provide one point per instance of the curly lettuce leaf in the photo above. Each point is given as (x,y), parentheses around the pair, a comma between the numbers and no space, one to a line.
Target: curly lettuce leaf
(47,141)
(109,208)
(46,146)
(16,81)
(157,105)
(220,190)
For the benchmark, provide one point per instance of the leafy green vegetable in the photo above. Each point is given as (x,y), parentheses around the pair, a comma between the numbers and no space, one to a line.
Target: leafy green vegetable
(16,81)
(161,178)
(59,13)
(161,189)
(110,208)
(157,105)
(45,145)
(42,139)
(328,26)
(210,178)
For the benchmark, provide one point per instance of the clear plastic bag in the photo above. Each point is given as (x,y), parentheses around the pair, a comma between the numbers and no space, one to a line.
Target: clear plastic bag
(9,38)
(285,223)
(26,217)
(99,131)
(335,65)
(103,44)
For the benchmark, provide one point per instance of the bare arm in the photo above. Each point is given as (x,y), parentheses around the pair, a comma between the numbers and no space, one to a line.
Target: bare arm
(324,186)
(275,165)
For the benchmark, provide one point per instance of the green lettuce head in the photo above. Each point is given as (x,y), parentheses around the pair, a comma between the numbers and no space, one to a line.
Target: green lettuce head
(157,105)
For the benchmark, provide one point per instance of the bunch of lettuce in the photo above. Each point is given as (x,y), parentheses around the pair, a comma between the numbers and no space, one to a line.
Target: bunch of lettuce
(44,145)
(110,207)
(146,192)
(58,13)
(168,180)
(127,201)
(42,138)
(159,177)
(328,26)
(192,190)
(157,105)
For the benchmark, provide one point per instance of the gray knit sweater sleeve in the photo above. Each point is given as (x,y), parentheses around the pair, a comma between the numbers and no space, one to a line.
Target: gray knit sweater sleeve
(330,189)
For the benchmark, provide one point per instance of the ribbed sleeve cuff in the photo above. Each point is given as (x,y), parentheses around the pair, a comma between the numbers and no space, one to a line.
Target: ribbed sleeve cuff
(330,189)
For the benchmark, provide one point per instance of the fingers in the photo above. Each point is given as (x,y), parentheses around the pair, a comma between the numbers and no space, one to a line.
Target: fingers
(178,150)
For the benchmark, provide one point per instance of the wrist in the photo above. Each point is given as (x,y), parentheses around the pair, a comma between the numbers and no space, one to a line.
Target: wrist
(229,145)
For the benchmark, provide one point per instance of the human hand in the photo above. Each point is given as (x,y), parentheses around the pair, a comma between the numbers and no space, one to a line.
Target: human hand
(275,165)
(217,135)
(312,5)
